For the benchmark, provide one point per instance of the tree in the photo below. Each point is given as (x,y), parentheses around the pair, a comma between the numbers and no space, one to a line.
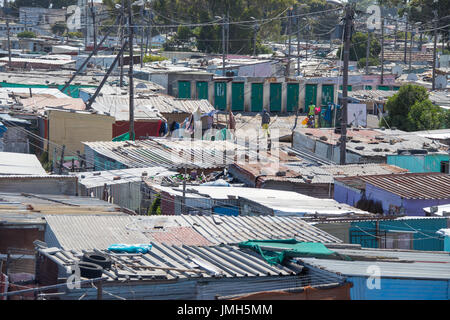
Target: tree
(26,34)
(424,115)
(155,209)
(359,47)
(411,110)
(59,28)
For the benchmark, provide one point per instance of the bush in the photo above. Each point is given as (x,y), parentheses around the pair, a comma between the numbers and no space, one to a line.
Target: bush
(153,58)
(155,209)
(26,34)
(372,62)
(78,35)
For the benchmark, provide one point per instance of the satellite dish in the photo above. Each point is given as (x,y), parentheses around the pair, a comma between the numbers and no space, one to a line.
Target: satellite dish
(441,82)
(397,70)
(412,77)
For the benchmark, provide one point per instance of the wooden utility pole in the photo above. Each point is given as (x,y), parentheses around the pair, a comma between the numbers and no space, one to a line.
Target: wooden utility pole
(61,163)
(382,51)
(130,70)
(142,35)
(368,51)
(122,31)
(298,42)
(289,17)
(93,23)
(347,43)
(223,45)
(435,20)
(9,42)
(406,39)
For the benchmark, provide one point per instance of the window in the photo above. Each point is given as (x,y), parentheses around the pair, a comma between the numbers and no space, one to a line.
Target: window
(397,240)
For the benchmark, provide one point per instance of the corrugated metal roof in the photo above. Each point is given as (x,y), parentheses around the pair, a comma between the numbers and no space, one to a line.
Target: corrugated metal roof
(118,107)
(92,179)
(90,232)
(148,106)
(188,262)
(413,185)
(282,203)
(412,265)
(373,142)
(225,229)
(39,61)
(169,153)
(20,208)
(20,164)
(299,173)
(99,232)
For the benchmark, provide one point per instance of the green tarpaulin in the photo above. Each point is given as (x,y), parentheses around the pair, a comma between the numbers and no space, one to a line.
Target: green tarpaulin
(123,137)
(276,251)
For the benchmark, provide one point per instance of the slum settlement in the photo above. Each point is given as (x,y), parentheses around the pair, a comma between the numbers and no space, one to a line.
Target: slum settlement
(185,162)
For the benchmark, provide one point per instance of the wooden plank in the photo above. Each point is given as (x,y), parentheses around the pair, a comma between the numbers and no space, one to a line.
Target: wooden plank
(167,268)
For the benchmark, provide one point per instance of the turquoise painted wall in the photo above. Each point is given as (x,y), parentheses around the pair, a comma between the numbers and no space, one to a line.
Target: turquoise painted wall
(418,163)
(426,239)
(103,163)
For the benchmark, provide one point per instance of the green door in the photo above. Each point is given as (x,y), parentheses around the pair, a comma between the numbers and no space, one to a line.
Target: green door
(275,97)
(202,90)
(349,88)
(184,89)
(257,97)
(310,94)
(237,96)
(327,94)
(292,97)
(220,95)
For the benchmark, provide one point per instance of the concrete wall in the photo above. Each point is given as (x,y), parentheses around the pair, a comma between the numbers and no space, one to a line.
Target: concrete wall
(47,185)
(71,128)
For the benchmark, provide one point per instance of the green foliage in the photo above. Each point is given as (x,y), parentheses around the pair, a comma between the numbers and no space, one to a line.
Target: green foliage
(208,38)
(372,62)
(78,34)
(46,164)
(155,208)
(26,34)
(411,110)
(359,47)
(424,115)
(59,28)
(153,58)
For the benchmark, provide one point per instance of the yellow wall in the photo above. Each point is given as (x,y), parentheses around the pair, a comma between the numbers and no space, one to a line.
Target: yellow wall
(72,128)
